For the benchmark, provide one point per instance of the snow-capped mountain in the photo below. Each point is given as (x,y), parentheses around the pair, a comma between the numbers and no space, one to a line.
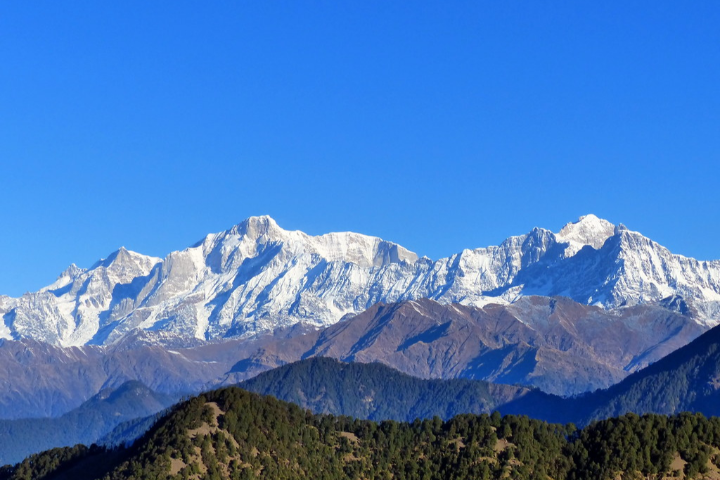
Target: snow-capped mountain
(256,277)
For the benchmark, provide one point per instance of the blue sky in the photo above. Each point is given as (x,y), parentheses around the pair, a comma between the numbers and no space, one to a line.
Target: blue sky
(437,125)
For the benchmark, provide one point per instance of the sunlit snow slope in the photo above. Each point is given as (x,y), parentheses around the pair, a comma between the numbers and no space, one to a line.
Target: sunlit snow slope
(256,277)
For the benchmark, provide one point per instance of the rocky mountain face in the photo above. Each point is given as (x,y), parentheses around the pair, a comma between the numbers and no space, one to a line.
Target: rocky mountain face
(257,277)
(686,380)
(42,380)
(555,344)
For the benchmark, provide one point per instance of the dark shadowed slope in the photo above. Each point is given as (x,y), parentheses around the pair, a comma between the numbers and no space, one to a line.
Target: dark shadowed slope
(41,380)
(377,392)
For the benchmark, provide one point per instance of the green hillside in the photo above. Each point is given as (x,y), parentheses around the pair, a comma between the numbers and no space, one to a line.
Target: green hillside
(234,434)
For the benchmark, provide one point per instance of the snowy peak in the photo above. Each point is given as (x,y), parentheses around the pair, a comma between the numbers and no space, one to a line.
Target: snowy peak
(124,258)
(257,277)
(346,247)
(387,253)
(362,250)
(72,271)
(124,265)
(66,277)
(588,230)
(256,228)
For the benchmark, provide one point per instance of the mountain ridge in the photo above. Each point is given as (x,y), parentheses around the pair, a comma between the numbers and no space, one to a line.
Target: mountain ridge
(84,424)
(686,380)
(232,433)
(555,344)
(256,277)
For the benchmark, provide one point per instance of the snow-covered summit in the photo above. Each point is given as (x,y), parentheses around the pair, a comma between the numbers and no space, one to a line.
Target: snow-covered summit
(257,233)
(588,230)
(67,276)
(356,248)
(256,277)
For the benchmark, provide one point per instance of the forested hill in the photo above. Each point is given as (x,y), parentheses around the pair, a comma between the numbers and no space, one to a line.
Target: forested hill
(377,392)
(374,391)
(686,380)
(235,434)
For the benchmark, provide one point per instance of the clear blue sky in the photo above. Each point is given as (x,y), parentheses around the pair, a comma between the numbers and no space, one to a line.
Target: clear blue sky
(437,125)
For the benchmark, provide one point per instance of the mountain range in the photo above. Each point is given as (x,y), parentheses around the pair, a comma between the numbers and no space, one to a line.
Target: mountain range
(86,424)
(554,344)
(686,380)
(234,434)
(595,312)
(257,277)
